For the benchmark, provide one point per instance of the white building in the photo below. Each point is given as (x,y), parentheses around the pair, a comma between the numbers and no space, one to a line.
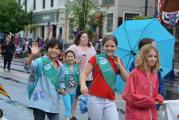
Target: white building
(119,10)
(53,12)
(47,15)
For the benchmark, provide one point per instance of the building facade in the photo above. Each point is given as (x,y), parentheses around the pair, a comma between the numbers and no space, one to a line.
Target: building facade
(47,17)
(117,11)
(170,18)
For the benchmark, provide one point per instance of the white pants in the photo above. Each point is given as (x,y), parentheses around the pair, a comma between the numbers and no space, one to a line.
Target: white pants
(102,109)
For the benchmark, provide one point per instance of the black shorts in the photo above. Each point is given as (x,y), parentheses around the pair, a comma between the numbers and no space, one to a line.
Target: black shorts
(78,93)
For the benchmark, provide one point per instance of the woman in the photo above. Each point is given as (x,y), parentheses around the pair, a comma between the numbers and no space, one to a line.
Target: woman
(83,50)
(8,51)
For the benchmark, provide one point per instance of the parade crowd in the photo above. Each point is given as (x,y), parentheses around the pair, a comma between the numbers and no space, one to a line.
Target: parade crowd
(86,70)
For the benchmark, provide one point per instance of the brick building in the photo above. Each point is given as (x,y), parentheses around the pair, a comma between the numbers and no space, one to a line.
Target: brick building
(170,18)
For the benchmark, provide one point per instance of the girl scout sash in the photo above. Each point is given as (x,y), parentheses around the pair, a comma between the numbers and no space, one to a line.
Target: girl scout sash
(107,71)
(76,76)
(50,72)
(45,66)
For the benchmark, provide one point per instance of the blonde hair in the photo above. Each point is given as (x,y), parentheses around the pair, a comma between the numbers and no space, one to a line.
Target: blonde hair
(141,60)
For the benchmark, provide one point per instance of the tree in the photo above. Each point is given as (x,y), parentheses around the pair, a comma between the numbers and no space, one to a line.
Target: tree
(82,13)
(12,18)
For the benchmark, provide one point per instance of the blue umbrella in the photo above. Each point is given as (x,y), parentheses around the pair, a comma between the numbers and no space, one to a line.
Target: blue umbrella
(131,32)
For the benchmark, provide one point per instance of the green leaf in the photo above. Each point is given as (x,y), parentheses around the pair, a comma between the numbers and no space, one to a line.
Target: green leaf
(12,17)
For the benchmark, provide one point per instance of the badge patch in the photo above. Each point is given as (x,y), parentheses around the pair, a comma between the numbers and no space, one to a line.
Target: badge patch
(47,66)
(102,60)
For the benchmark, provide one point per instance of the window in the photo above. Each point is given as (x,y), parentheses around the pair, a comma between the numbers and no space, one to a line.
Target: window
(130,15)
(34,6)
(109,22)
(43,4)
(52,3)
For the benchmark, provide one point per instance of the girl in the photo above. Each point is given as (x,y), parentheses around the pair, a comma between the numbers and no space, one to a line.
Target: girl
(83,51)
(104,68)
(43,84)
(141,90)
(70,75)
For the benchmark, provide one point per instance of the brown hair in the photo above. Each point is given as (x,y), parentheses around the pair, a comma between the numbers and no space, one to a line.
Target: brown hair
(69,51)
(109,37)
(144,41)
(141,60)
(77,39)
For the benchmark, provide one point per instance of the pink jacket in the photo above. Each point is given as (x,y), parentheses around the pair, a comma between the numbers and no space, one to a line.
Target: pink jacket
(140,102)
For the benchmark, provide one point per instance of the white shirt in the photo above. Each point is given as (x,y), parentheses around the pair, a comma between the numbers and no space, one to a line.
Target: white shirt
(83,55)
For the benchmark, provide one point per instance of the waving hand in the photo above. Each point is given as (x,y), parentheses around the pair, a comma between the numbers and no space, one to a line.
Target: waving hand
(34,49)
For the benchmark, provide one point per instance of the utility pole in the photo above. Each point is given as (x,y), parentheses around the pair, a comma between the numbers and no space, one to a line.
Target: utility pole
(146,6)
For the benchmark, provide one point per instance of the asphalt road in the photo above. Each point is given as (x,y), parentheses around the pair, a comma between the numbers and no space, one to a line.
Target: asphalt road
(15,84)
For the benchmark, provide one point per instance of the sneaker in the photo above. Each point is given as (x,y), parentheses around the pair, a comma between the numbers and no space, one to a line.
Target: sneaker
(73,118)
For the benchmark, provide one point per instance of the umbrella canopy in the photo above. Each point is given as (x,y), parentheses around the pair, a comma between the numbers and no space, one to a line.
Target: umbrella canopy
(131,32)
(3,92)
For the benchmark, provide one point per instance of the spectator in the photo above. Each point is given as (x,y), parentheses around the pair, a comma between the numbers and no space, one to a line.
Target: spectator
(8,52)
(61,40)
(18,53)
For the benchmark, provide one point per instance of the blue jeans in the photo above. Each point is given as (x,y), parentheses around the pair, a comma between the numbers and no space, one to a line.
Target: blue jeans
(68,102)
(40,115)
